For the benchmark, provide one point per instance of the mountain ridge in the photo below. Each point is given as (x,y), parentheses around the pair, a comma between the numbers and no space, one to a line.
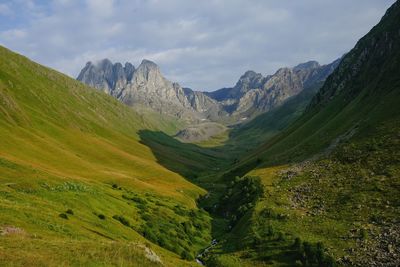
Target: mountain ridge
(265,93)
(252,95)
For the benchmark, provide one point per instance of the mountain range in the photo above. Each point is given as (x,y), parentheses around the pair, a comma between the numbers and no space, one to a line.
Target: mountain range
(252,95)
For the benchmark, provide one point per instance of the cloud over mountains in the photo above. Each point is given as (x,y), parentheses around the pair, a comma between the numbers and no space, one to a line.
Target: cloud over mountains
(202,44)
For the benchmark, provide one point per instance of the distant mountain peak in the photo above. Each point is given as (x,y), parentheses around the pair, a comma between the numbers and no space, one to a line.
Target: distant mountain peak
(312,64)
(283,71)
(128,65)
(104,63)
(143,86)
(249,78)
(148,63)
(106,60)
(105,75)
(146,67)
(250,73)
(252,94)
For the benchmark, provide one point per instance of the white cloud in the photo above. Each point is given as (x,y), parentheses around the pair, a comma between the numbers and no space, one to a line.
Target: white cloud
(101,8)
(201,44)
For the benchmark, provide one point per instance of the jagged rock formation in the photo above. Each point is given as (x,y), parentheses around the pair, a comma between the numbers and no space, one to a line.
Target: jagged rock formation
(106,76)
(253,93)
(144,87)
(205,105)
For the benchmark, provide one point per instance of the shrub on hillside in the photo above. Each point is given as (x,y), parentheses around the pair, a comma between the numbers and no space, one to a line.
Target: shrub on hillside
(312,254)
(63,215)
(186,255)
(69,211)
(122,220)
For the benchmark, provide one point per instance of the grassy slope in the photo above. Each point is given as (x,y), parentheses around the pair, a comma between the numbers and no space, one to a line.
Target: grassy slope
(345,196)
(348,201)
(63,146)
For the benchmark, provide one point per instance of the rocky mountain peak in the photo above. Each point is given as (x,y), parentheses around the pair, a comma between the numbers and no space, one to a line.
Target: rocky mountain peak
(252,94)
(282,71)
(141,86)
(307,65)
(105,75)
(148,65)
(104,63)
(149,72)
(249,80)
(249,74)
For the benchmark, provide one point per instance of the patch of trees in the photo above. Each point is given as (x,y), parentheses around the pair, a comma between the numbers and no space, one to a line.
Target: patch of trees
(310,254)
(240,197)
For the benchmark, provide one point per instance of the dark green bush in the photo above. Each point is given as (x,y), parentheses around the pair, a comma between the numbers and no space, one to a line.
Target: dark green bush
(186,255)
(69,211)
(139,200)
(150,235)
(63,215)
(280,236)
(312,254)
(297,244)
(328,262)
(122,220)
(101,216)
(187,226)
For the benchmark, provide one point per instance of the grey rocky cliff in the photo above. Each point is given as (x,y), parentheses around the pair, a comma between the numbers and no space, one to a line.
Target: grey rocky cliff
(253,93)
(142,87)
(106,76)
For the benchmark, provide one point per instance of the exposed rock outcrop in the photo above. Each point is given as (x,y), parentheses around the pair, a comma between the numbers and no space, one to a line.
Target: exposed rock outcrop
(144,86)
(253,93)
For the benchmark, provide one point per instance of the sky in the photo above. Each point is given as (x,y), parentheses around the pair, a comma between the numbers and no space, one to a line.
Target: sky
(204,45)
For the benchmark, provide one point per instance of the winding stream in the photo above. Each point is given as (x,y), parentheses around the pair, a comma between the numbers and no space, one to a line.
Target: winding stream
(200,255)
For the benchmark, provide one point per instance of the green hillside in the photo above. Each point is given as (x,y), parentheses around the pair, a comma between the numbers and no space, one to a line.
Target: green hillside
(76,182)
(330,179)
